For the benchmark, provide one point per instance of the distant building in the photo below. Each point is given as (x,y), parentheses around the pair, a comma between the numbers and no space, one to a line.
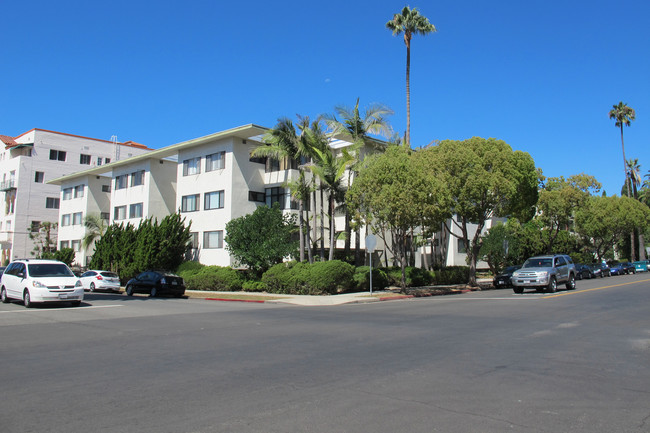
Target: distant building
(27,163)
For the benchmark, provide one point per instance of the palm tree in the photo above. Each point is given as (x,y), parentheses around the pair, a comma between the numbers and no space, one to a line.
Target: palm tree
(634,170)
(351,124)
(409,22)
(95,228)
(624,116)
(283,142)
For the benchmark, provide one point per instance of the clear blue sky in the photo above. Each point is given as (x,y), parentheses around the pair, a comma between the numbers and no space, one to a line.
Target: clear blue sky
(540,75)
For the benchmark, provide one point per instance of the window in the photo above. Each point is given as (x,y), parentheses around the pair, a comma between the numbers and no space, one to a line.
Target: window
(137,178)
(119,213)
(77,218)
(35,226)
(65,220)
(107,160)
(120,182)
(64,244)
(215,161)
(275,195)
(194,240)
(256,196)
(78,191)
(135,210)
(57,155)
(213,200)
(39,176)
(76,245)
(272,165)
(84,159)
(67,193)
(213,239)
(106,188)
(99,160)
(461,246)
(105,216)
(191,166)
(190,203)
(52,203)
(258,159)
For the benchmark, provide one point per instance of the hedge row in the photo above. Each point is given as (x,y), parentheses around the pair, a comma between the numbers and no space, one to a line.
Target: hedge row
(319,278)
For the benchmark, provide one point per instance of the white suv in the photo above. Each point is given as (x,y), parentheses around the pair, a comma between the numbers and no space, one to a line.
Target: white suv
(37,280)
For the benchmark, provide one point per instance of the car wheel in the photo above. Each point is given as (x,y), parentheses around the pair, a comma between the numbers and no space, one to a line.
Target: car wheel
(3,296)
(129,290)
(552,286)
(92,287)
(27,300)
(154,292)
(75,303)
(571,284)
(518,289)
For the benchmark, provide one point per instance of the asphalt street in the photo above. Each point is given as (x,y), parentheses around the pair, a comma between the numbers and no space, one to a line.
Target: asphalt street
(491,361)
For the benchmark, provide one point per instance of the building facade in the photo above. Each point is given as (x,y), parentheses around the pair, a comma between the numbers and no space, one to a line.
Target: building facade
(27,163)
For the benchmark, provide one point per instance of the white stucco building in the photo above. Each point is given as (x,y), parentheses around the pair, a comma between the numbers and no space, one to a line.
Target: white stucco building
(28,162)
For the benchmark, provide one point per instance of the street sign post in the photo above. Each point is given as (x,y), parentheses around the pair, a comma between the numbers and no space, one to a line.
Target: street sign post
(371,243)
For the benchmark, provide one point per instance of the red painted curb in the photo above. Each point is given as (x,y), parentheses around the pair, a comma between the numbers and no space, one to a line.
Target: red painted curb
(390,298)
(235,300)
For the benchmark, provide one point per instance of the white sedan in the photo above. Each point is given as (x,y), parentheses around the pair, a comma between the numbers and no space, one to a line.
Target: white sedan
(100,280)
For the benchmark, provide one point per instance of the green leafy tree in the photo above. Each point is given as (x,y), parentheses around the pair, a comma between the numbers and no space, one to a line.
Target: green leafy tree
(261,239)
(397,191)
(485,178)
(605,220)
(558,200)
(95,227)
(65,255)
(409,22)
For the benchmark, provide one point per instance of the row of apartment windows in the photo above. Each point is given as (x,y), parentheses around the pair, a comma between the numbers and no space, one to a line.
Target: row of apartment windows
(214,161)
(137,178)
(60,155)
(275,195)
(211,200)
(73,192)
(74,244)
(135,211)
(74,219)
(211,239)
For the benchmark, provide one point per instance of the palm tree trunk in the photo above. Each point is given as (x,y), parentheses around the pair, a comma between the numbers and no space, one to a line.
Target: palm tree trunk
(310,256)
(322,224)
(301,224)
(627,184)
(332,227)
(357,246)
(407,142)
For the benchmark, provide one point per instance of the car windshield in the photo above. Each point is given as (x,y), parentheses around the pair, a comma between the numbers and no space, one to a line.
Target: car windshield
(49,270)
(510,269)
(538,263)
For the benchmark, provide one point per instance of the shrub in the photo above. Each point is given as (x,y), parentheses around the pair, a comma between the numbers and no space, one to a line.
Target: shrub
(253,286)
(309,279)
(362,279)
(415,277)
(452,275)
(189,266)
(216,278)
(330,277)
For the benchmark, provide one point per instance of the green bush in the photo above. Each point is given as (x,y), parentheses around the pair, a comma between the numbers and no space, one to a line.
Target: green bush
(309,279)
(415,277)
(253,286)
(362,279)
(451,275)
(189,266)
(214,278)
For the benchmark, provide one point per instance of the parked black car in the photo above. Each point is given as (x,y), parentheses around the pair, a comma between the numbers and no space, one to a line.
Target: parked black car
(603,268)
(628,268)
(503,279)
(156,283)
(584,272)
(595,268)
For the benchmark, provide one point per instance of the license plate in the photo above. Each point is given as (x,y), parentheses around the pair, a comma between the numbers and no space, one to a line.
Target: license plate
(62,296)
(174,283)
(500,282)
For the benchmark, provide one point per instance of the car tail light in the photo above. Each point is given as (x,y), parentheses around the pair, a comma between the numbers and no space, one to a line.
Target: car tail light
(99,277)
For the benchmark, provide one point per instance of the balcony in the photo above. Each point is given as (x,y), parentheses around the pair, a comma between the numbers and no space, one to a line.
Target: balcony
(7,185)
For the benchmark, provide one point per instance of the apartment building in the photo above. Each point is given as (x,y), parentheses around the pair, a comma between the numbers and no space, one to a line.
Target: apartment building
(28,162)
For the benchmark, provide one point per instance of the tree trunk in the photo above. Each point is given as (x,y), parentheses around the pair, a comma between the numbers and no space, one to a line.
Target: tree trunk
(627,184)
(357,245)
(310,256)
(301,226)
(322,224)
(407,142)
(332,227)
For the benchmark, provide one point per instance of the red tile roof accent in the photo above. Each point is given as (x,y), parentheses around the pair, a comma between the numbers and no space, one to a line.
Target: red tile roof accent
(8,141)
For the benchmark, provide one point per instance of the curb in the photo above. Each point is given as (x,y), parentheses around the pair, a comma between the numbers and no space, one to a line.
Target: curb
(256,301)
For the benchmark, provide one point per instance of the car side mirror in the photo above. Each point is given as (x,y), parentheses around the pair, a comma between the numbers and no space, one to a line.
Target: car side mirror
(20,275)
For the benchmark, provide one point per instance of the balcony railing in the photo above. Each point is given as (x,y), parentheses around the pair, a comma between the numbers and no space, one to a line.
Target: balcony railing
(7,185)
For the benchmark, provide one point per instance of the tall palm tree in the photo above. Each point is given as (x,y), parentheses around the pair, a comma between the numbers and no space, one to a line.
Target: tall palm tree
(95,228)
(357,127)
(634,171)
(409,22)
(624,115)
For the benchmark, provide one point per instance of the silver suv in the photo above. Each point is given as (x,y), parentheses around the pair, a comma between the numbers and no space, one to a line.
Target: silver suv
(544,273)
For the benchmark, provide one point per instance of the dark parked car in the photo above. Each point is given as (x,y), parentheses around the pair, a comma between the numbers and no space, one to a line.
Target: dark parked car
(604,269)
(616,269)
(503,278)
(596,269)
(156,283)
(628,268)
(584,272)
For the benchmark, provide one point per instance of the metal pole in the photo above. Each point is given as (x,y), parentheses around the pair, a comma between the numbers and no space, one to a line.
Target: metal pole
(370,273)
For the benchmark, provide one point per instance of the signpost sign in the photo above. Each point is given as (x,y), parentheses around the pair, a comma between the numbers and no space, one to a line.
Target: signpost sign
(371,244)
